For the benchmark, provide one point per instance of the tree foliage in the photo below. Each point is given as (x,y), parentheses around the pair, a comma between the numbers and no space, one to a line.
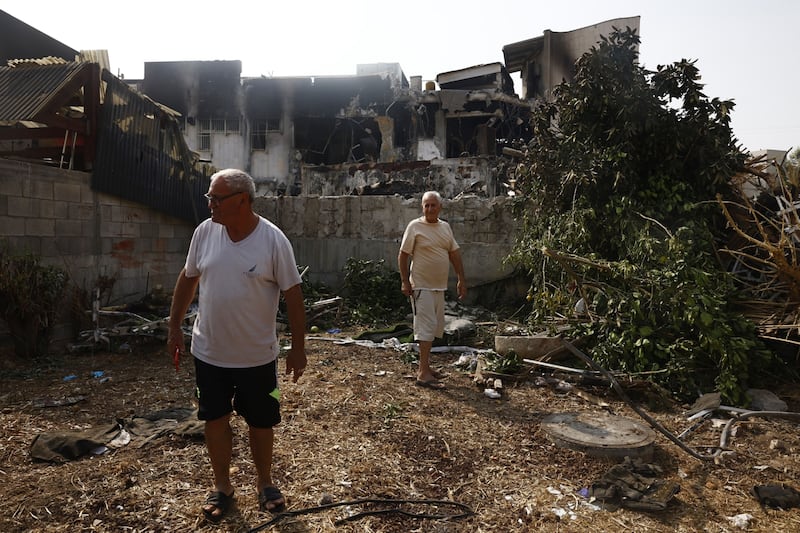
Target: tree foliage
(618,209)
(30,294)
(372,292)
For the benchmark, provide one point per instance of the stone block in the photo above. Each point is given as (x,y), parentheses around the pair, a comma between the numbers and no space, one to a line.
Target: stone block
(23,207)
(530,346)
(12,226)
(69,228)
(40,227)
(68,192)
(42,190)
(10,187)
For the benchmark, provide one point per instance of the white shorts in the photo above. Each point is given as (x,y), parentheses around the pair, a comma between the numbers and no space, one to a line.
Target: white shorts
(428,308)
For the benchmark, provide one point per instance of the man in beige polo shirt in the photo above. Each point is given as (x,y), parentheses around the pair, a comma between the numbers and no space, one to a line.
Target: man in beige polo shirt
(426,253)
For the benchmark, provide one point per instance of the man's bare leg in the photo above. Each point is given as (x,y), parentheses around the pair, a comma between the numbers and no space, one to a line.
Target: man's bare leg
(261,445)
(219,443)
(425,372)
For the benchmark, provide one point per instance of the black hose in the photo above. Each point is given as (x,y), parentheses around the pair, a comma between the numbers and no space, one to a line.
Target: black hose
(466,511)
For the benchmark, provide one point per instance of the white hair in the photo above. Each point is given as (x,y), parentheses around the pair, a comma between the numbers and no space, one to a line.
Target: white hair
(435,194)
(237,180)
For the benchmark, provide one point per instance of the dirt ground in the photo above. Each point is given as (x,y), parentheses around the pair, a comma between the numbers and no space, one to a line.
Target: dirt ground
(357,429)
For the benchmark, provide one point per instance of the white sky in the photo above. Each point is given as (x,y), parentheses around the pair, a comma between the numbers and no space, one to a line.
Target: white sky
(743,48)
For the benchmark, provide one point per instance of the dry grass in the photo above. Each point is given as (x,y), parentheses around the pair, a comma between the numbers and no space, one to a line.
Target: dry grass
(356,427)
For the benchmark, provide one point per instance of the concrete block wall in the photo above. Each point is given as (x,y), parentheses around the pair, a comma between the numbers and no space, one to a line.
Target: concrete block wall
(326,231)
(54,213)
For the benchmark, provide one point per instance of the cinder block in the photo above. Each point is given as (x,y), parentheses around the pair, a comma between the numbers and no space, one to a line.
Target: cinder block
(68,192)
(60,210)
(164,231)
(41,189)
(23,207)
(12,226)
(10,186)
(69,228)
(40,227)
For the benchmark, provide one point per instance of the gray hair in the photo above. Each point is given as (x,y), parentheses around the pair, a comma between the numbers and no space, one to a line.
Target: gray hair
(237,180)
(434,194)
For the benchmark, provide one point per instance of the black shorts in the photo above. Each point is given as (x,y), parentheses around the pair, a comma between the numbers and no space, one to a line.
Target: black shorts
(252,392)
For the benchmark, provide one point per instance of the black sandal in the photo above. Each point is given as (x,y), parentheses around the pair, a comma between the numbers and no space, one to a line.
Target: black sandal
(271,495)
(221,503)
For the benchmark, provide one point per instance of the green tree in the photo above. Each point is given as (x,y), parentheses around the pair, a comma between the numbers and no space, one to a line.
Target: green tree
(619,210)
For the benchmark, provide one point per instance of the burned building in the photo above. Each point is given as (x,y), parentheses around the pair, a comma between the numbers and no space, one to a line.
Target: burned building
(544,62)
(332,135)
(110,173)
(373,132)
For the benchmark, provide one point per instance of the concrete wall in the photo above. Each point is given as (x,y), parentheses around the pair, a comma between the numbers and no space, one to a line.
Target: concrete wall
(326,231)
(451,177)
(54,213)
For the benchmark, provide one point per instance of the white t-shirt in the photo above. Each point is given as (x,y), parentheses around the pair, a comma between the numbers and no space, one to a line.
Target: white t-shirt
(429,245)
(240,285)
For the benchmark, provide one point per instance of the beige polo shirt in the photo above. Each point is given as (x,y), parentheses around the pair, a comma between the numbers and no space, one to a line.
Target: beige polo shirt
(429,245)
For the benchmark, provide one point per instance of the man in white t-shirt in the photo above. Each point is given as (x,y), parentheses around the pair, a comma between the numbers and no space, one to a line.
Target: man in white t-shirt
(427,250)
(241,263)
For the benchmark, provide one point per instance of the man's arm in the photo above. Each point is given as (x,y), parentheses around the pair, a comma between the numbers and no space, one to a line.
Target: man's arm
(458,266)
(295,309)
(402,264)
(182,296)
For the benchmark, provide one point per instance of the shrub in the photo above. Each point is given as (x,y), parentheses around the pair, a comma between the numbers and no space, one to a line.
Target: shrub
(372,292)
(30,293)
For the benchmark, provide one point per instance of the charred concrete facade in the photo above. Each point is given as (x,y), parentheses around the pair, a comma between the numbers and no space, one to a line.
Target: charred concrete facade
(544,62)
(367,133)
(372,132)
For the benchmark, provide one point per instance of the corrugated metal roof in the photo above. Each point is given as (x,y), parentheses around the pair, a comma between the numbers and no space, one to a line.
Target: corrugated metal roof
(97,56)
(142,155)
(49,60)
(25,92)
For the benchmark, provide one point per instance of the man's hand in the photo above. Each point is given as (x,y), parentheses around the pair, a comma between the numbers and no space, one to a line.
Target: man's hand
(175,342)
(296,363)
(405,288)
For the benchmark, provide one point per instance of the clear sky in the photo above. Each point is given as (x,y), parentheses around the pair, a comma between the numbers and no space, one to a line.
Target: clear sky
(746,50)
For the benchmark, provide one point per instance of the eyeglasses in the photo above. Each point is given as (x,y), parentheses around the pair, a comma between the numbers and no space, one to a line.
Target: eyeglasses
(218,199)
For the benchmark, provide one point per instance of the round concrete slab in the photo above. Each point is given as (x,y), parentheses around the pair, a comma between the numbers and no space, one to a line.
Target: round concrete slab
(600,434)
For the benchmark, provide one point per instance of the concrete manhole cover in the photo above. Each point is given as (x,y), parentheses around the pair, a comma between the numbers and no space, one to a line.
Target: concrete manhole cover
(600,434)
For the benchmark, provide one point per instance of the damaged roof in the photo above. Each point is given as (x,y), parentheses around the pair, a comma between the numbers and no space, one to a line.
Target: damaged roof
(516,55)
(488,76)
(28,93)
